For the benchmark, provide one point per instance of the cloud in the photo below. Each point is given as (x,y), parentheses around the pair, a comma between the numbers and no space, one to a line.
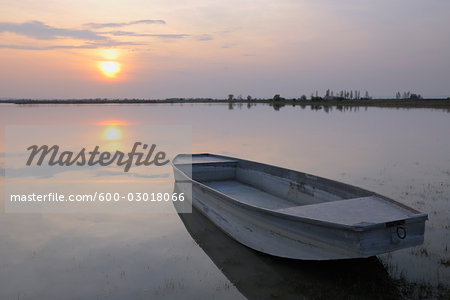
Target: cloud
(113,43)
(130,33)
(90,39)
(226,46)
(41,31)
(26,47)
(106,44)
(204,37)
(121,24)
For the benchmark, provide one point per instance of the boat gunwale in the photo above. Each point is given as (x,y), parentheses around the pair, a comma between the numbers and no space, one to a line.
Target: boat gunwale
(418,217)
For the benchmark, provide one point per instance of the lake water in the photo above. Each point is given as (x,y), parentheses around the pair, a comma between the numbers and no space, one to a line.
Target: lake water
(399,153)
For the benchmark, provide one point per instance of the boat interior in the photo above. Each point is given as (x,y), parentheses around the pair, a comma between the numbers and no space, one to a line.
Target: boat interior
(289,191)
(267,186)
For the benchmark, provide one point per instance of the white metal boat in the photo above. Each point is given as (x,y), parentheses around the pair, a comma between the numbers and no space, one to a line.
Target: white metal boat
(291,214)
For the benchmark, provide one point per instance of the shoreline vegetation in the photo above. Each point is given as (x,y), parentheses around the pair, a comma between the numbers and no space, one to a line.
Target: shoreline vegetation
(276,101)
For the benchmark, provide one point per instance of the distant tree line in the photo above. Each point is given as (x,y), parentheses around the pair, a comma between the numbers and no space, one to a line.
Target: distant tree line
(341,95)
(407,95)
(329,95)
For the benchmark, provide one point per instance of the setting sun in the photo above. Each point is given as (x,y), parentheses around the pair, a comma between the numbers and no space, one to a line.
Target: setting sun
(109,68)
(112,133)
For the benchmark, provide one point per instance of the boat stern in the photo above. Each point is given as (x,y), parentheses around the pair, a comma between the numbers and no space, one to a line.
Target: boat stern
(391,236)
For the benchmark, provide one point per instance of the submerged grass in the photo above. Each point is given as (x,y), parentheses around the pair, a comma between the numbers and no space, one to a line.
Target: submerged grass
(445,262)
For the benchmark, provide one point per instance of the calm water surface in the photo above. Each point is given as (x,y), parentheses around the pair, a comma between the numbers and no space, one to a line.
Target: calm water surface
(403,154)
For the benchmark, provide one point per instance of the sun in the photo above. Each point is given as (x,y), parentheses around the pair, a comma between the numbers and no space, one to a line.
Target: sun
(109,68)
(112,133)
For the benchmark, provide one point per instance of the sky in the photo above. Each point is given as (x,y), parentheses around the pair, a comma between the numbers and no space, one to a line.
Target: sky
(200,49)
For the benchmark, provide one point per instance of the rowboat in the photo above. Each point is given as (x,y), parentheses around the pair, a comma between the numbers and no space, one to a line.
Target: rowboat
(291,214)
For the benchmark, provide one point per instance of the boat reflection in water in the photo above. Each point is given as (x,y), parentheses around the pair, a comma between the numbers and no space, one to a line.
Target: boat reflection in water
(260,276)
